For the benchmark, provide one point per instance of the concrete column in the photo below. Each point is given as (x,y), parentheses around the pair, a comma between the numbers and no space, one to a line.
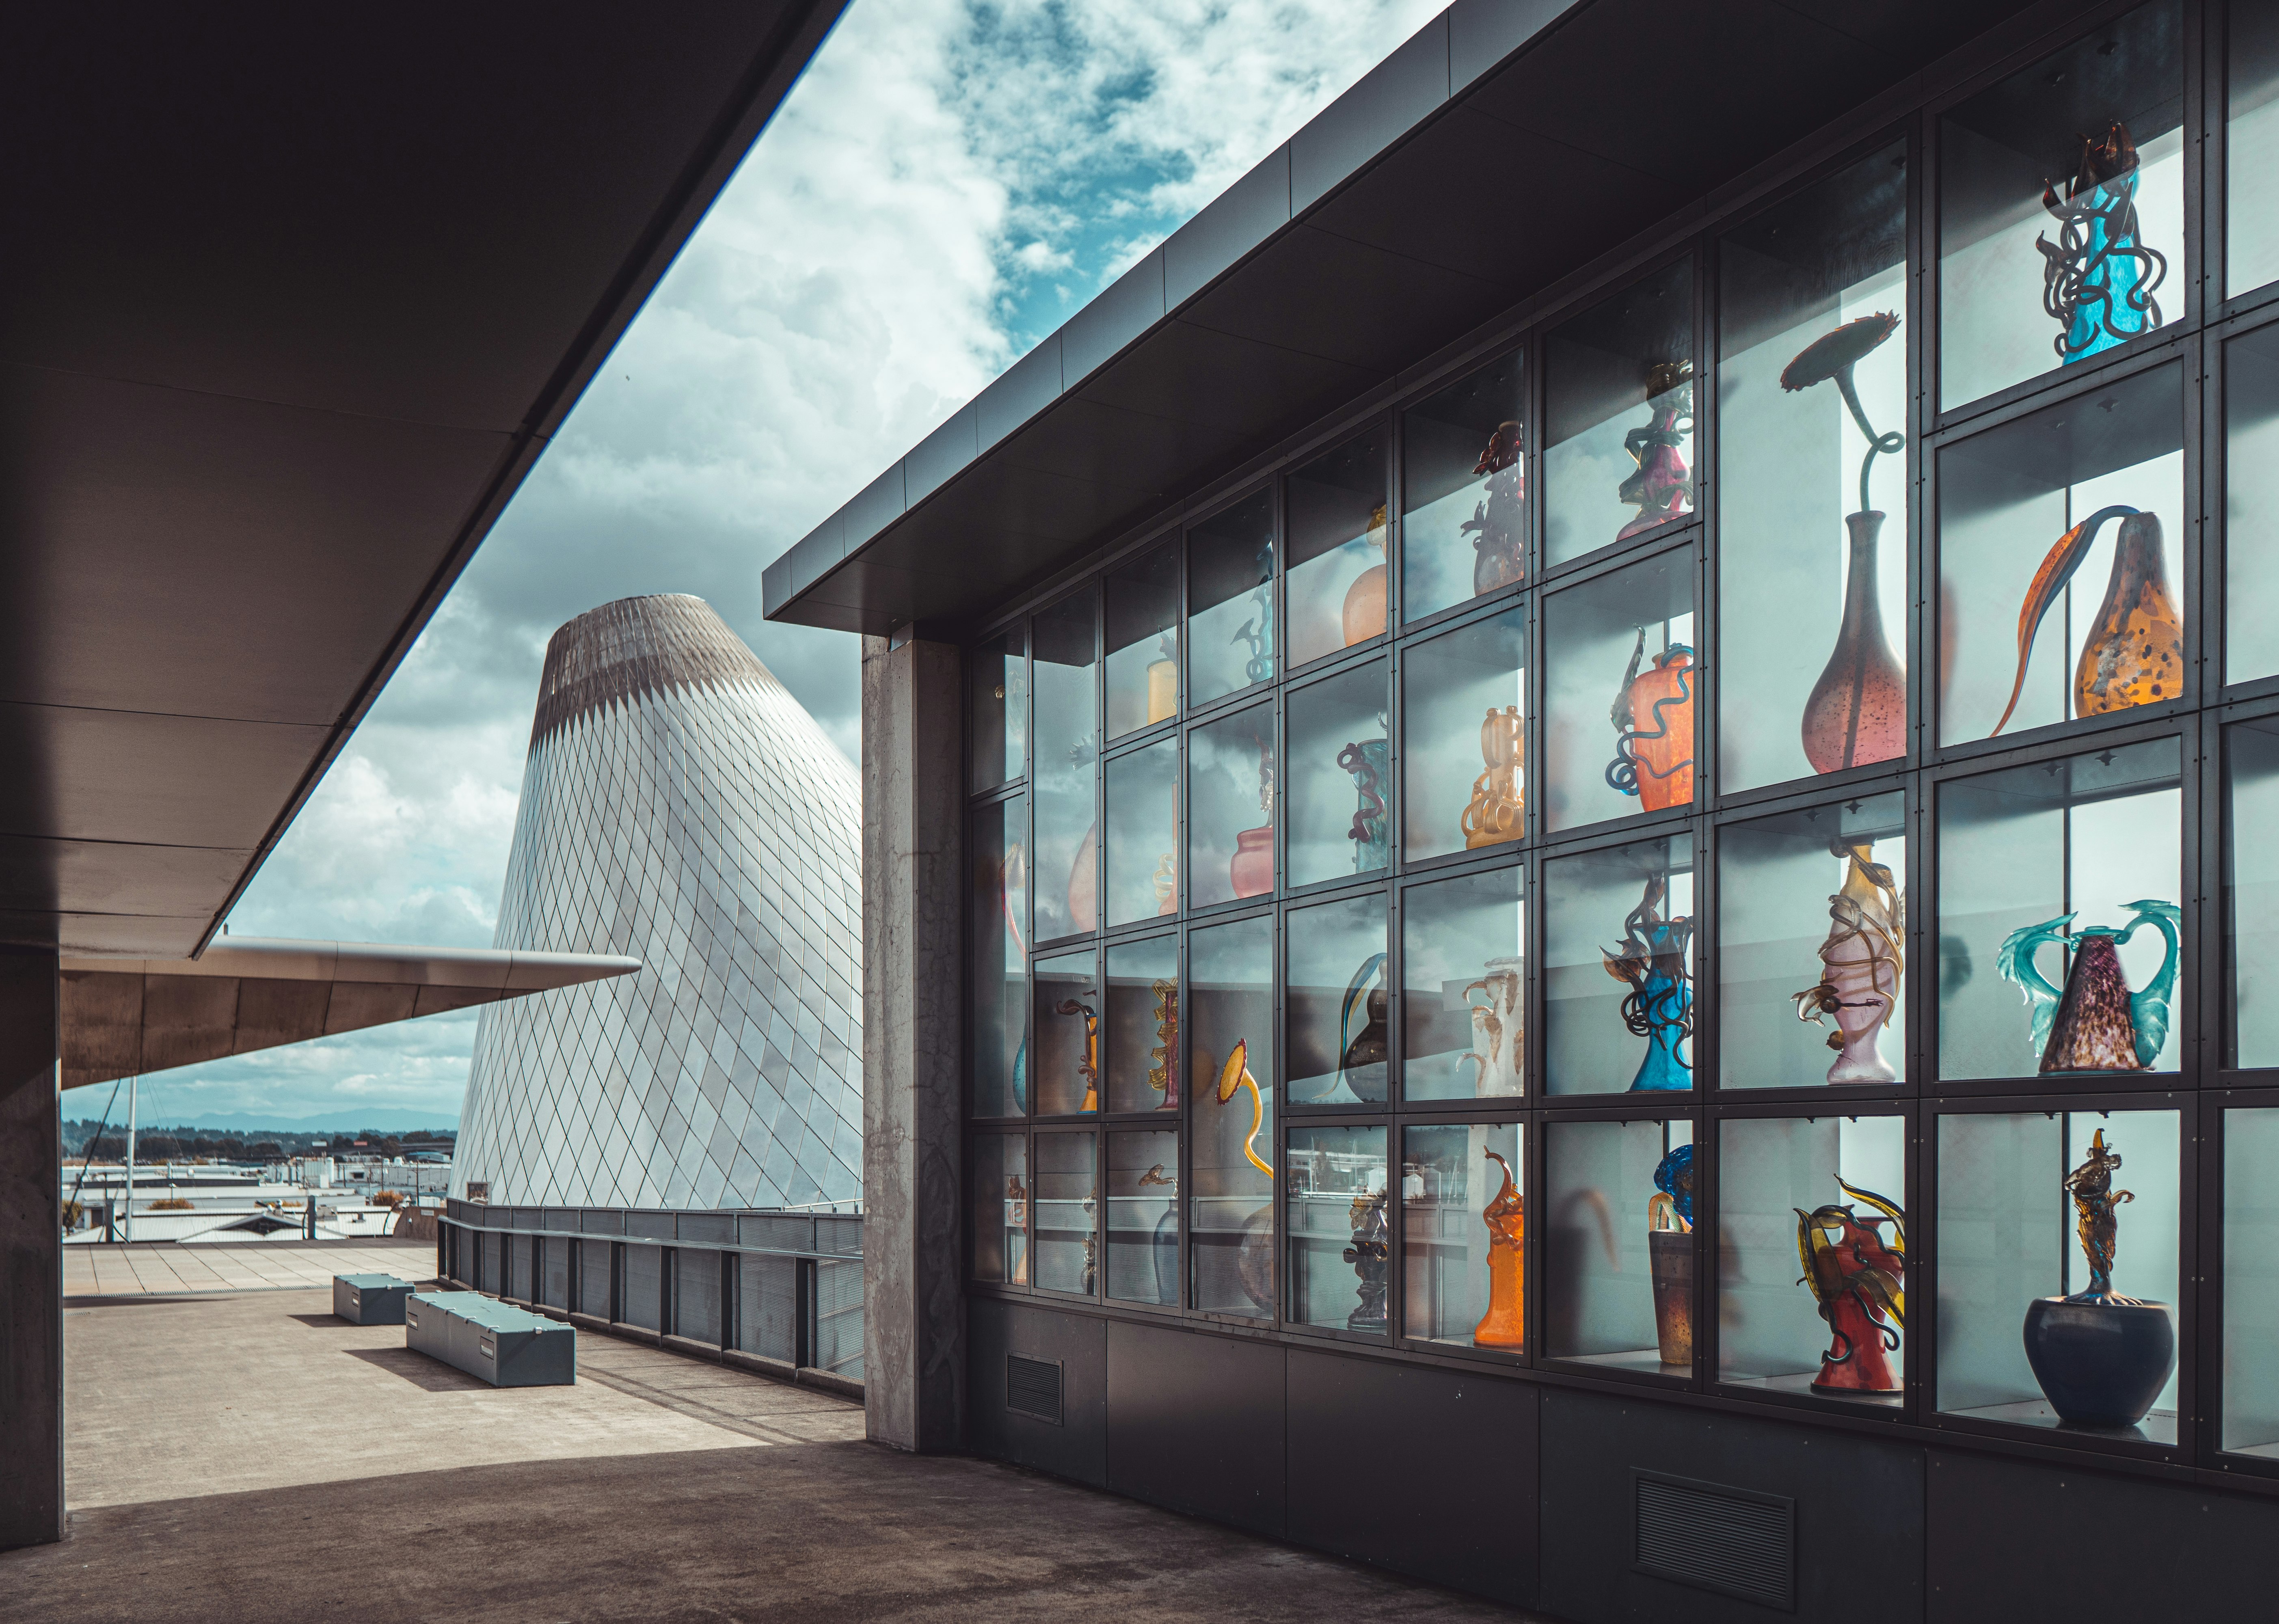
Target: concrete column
(31,1255)
(913,1044)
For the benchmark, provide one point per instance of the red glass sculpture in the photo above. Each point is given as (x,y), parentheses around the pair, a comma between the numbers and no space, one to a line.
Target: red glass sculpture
(1859,1278)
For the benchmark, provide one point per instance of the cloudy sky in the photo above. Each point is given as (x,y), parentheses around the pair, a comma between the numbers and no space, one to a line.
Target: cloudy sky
(948,182)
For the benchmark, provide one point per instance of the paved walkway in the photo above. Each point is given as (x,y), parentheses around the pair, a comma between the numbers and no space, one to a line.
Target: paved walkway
(168,1267)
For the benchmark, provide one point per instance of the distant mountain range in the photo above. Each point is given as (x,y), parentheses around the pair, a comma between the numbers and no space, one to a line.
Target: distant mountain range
(331,1121)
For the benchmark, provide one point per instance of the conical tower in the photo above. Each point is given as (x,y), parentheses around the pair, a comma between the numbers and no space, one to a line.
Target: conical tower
(679,805)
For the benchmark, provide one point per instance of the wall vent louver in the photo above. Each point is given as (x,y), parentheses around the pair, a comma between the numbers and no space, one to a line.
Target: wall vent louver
(1032,1387)
(1732,1541)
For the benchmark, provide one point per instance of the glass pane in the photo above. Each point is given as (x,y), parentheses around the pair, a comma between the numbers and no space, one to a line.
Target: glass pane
(1340,780)
(1828,1192)
(1143,833)
(1464,752)
(1230,1205)
(1463,520)
(2067,869)
(1463,1235)
(1336,506)
(1143,1025)
(1001,961)
(2251,510)
(1143,642)
(2032,517)
(1231,600)
(1464,987)
(1618,449)
(1618,1257)
(1067,1201)
(1341,1235)
(2250,1282)
(1068,829)
(1143,1217)
(1066,1021)
(2250,900)
(767,1288)
(1231,808)
(1624,639)
(1000,1208)
(2019,1200)
(1618,982)
(1812,939)
(2252,239)
(1811,394)
(2030,282)
(1337,1004)
(998,687)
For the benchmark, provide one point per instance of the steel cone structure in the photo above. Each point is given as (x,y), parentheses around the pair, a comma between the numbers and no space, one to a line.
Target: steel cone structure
(680,807)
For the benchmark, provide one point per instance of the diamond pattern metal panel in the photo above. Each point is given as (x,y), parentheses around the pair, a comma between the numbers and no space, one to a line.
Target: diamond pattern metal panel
(687,811)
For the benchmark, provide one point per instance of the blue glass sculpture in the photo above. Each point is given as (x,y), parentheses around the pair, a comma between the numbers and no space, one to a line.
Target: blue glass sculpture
(2098,277)
(1652,960)
(2095,1023)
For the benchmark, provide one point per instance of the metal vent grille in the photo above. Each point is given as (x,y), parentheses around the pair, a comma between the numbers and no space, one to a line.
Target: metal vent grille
(1714,1538)
(1032,1387)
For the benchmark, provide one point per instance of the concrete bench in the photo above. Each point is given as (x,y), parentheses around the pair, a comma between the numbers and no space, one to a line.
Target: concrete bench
(370,1299)
(504,1346)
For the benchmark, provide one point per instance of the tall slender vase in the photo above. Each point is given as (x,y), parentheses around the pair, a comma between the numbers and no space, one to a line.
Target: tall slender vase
(1504,1324)
(1858,711)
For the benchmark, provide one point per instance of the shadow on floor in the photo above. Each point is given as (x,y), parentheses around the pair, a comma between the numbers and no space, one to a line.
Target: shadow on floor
(417,1369)
(316,1322)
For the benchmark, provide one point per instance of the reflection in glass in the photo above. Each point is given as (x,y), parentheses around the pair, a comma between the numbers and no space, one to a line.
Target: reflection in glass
(1067,1204)
(1337,572)
(1463,1235)
(1143,1025)
(1618,1244)
(2021,854)
(1065,1068)
(2076,490)
(2011,1244)
(1340,1233)
(999,911)
(1824,1192)
(1142,792)
(2251,892)
(1464,754)
(2251,510)
(1000,1208)
(1068,827)
(1618,946)
(1231,808)
(2061,215)
(1231,600)
(1143,642)
(2250,1282)
(1463,988)
(998,693)
(2251,64)
(1337,1003)
(1618,452)
(1338,778)
(1463,523)
(1805,895)
(1230,1203)
(1809,373)
(1626,637)
(1143,1217)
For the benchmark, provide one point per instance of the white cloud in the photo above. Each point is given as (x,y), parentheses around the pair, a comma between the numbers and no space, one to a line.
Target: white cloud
(948,181)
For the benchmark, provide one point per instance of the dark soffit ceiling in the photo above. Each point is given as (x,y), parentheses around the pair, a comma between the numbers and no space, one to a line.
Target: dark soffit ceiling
(1508,144)
(292,299)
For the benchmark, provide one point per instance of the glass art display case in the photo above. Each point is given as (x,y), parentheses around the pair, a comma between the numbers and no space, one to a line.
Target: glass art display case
(1067,853)
(1619,446)
(1067,1214)
(2060,937)
(1142,618)
(1463,978)
(1464,514)
(1339,547)
(1464,737)
(997,913)
(1340,1228)
(1463,1235)
(1230,804)
(2062,220)
(1143,1217)
(1618,1214)
(1337,1003)
(1141,791)
(1621,679)
(1618,1012)
(1000,1185)
(2250,508)
(2251,126)
(1145,1060)
(1231,1201)
(1231,600)
(1064,1024)
(1339,774)
(2251,1281)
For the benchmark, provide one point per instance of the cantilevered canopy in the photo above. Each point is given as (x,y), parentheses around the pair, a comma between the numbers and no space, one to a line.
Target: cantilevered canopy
(124,1018)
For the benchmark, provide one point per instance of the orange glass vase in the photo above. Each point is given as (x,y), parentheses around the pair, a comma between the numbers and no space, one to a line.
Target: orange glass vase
(1653,730)
(1504,1324)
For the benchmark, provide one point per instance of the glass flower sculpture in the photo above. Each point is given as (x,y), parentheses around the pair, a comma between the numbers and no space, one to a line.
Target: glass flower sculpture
(2133,653)
(1652,961)
(1499,523)
(2096,1023)
(2098,277)
(1859,1278)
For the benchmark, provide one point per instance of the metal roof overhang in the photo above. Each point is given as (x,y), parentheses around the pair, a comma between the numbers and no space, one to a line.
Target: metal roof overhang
(293,298)
(1507,145)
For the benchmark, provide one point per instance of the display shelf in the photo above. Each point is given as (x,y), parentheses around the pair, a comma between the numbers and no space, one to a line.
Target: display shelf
(1618,1261)
(1464,1232)
(1066,1241)
(1464,987)
(1143,1217)
(1340,1264)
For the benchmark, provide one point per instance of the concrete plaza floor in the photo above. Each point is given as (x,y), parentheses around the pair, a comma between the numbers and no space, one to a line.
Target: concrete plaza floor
(96,1269)
(246,1457)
